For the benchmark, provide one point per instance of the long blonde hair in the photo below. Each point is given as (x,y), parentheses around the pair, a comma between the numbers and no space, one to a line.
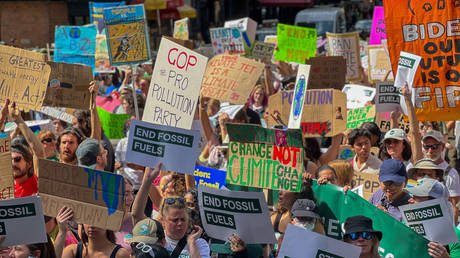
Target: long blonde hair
(344,172)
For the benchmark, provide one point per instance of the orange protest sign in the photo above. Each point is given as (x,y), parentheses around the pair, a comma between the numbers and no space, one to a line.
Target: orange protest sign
(429,29)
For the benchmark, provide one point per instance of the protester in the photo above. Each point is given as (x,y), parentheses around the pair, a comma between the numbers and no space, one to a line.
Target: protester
(326,174)
(47,139)
(360,232)
(344,171)
(67,144)
(148,240)
(363,161)
(125,234)
(58,126)
(376,134)
(258,100)
(91,154)
(396,146)
(40,250)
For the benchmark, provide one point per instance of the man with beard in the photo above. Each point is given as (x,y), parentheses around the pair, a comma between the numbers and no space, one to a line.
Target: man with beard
(67,144)
(91,154)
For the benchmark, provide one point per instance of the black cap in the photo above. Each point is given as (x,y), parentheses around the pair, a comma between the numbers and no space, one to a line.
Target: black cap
(360,224)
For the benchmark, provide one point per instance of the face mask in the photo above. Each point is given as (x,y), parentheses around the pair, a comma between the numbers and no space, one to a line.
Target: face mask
(306,225)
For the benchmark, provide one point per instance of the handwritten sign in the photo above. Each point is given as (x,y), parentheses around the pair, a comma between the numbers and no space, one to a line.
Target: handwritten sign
(6,173)
(227,40)
(23,77)
(346,45)
(247,26)
(357,116)
(112,123)
(75,44)
(383,121)
(230,78)
(102,55)
(175,86)
(97,198)
(181,29)
(378,26)
(265,158)
(209,177)
(262,51)
(127,34)
(370,183)
(96,13)
(327,72)
(378,64)
(301,85)
(295,44)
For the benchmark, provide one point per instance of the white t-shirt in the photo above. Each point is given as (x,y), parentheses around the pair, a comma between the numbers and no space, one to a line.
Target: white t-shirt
(452,180)
(203,247)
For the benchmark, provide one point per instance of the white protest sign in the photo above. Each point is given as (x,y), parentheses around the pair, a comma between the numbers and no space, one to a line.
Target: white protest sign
(175,87)
(301,84)
(245,24)
(359,190)
(407,67)
(300,243)
(358,95)
(227,40)
(387,97)
(246,214)
(21,221)
(149,144)
(431,219)
(43,124)
(59,113)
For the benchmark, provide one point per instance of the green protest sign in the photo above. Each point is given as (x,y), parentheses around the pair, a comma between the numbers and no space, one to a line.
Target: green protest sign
(335,208)
(357,116)
(295,44)
(112,123)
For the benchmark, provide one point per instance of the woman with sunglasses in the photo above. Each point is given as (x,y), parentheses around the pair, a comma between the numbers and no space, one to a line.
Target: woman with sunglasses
(359,232)
(47,139)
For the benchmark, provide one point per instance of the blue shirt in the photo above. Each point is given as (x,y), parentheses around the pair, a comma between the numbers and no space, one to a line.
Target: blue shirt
(392,207)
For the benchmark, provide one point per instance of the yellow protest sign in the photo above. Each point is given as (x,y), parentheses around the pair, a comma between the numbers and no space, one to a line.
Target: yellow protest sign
(357,116)
(6,173)
(369,181)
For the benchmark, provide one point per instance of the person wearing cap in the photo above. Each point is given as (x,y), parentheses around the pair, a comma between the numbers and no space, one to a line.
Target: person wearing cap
(91,154)
(363,161)
(391,195)
(148,240)
(426,168)
(360,232)
(304,214)
(396,146)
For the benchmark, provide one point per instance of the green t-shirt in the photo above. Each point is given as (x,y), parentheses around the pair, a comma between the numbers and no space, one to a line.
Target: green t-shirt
(455,248)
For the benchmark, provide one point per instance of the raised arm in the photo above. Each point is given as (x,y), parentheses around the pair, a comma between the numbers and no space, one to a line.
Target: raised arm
(4,115)
(96,130)
(333,150)
(141,198)
(414,131)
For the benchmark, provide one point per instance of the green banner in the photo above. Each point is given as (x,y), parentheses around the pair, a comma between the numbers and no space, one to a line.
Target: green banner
(398,240)
(112,123)
(295,44)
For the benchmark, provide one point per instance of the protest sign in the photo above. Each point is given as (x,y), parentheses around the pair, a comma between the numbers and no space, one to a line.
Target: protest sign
(112,123)
(209,177)
(21,221)
(58,113)
(327,72)
(324,111)
(295,44)
(227,40)
(102,58)
(357,116)
(346,45)
(358,95)
(317,245)
(362,48)
(335,208)
(247,26)
(175,86)
(96,13)
(150,143)
(108,103)
(68,86)
(301,85)
(262,51)
(430,30)
(378,64)
(75,44)
(6,173)
(387,97)
(127,34)
(181,29)
(378,26)
(230,78)
(346,152)
(34,125)
(96,198)
(383,121)
(431,219)
(245,214)
(407,67)
(370,183)
(265,158)
(23,77)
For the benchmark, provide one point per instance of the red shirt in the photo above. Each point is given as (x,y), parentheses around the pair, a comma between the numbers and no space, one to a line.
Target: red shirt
(28,188)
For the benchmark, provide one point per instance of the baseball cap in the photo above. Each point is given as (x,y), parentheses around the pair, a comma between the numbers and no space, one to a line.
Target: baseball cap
(304,208)
(396,133)
(87,153)
(429,187)
(148,231)
(437,135)
(392,170)
(424,164)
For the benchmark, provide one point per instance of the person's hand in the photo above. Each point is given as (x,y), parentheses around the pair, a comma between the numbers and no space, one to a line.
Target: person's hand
(4,250)
(346,188)
(93,88)
(382,208)
(223,118)
(14,113)
(437,250)
(395,115)
(194,235)
(151,173)
(406,91)
(63,218)
(236,244)
(322,181)
(307,176)
(4,110)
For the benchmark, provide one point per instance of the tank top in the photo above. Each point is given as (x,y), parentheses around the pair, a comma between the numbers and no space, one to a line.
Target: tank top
(79,253)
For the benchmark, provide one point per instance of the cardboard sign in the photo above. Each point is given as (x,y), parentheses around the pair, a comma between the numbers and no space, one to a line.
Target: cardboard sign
(181,29)
(175,86)
(97,198)
(387,97)
(383,121)
(96,13)
(357,116)
(227,40)
(262,51)
(21,221)
(23,77)
(317,245)
(246,25)
(301,85)
(6,173)
(428,29)
(346,45)
(224,213)
(102,55)
(112,124)
(265,158)
(68,86)
(358,95)
(209,177)
(127,34)
(295,44)
(431,219)
(327,72)
(149,144)
(378,64)
(346,152)
(75,44)
(58,113)
(230,78)
(324,112)
(378,26)
(370,183)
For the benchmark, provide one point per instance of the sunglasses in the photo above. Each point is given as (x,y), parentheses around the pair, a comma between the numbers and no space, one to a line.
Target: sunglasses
(145,248)
(47,140)
(433,147)
(17,159)
(171,201)
(355,236)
